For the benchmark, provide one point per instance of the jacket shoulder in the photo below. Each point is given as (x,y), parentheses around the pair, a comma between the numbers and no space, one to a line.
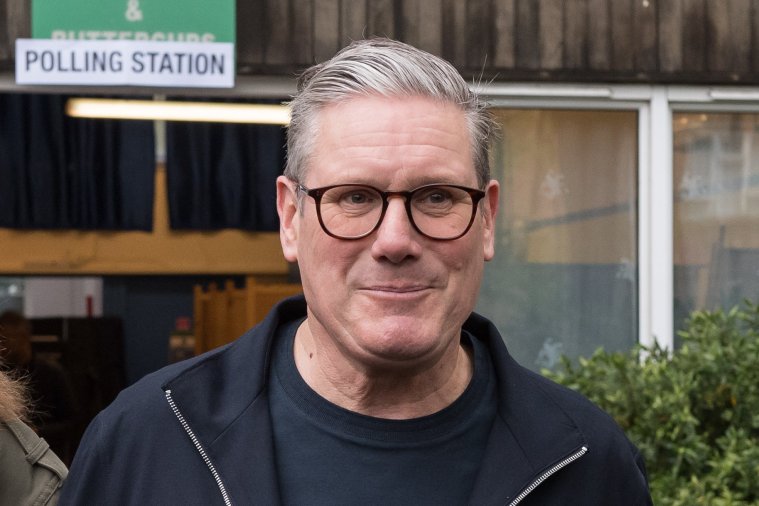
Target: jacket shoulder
(548,422)
(30,473)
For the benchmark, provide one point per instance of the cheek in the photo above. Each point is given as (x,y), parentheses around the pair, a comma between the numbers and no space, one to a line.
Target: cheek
(327,261)
(463,257)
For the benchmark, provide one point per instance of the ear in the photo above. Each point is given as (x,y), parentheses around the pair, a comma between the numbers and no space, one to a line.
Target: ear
(287,208)
(489,211)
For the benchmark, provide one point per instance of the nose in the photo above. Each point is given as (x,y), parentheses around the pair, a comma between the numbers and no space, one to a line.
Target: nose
(395,239)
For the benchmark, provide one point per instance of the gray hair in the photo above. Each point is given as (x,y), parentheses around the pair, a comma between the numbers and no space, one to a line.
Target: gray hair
(387,68)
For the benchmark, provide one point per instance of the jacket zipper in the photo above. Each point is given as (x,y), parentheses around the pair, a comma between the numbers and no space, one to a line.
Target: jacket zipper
(543,477)
(199,447)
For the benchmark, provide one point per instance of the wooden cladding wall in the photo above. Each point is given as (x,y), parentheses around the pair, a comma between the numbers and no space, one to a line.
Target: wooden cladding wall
(674,41)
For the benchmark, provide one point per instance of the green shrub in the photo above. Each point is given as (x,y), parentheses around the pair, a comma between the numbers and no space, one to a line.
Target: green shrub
(693,413)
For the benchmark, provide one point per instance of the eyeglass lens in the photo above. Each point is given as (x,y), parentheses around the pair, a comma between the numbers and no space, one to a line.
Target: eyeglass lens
(437,211)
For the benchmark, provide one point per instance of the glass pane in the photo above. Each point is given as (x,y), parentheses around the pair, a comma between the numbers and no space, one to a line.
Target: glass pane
(716,211)
(564,279)
(11,294)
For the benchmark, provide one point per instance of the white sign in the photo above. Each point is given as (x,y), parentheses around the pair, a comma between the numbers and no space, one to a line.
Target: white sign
(125,62)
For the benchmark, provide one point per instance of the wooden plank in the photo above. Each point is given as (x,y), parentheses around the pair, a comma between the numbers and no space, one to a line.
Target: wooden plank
(454,26)
(431,21)
(382,18)
(504,55)
(353,23)
(326,28)
(739,20)
(17,20)
(5,42)
(685,41)
(277,46)
(645,39)
(411,22)
(250,32)
(670,36)
(551,34)
(479,22)
(755,39)
(599,35)
(302,34)
(695,36)
(621,34)
(718,49)
(575,35)
(527,30)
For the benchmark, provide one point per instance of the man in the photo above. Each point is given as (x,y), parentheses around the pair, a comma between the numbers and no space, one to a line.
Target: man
(381,386)
(53,413)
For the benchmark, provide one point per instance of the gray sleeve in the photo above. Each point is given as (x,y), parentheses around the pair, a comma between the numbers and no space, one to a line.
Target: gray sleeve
(30,473)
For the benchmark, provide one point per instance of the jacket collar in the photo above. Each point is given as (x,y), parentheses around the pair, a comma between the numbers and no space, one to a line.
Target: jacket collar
(224,400)
(531,433)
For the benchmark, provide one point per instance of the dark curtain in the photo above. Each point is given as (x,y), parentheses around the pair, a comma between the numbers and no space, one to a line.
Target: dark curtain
(222,175)
(58,172)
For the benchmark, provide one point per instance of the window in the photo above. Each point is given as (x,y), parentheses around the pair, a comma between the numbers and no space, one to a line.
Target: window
(623,209)
(565,276)
(11,294)
(716,210)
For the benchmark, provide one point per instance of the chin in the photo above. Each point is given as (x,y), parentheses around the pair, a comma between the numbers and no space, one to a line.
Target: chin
(402,343)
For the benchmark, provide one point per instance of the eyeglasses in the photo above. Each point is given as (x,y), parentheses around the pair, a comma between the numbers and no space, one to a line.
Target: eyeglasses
(437,211)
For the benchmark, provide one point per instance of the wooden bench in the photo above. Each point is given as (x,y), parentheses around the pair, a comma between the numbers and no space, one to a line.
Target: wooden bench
(223,314)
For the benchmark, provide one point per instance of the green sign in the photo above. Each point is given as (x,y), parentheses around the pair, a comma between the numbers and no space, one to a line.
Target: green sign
(155,20)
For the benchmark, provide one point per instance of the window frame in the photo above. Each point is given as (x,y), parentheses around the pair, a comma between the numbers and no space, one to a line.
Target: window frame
(654,176)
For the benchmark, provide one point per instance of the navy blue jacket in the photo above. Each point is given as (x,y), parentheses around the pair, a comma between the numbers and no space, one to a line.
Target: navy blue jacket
(199,432)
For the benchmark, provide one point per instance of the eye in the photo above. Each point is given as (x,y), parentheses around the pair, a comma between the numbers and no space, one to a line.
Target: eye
(356,197)
(350,199)
(437,196)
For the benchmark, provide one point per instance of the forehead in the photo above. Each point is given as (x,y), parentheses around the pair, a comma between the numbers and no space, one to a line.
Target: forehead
(388,139)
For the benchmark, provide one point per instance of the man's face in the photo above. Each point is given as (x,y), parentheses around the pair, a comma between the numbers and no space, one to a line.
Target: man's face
(395,296)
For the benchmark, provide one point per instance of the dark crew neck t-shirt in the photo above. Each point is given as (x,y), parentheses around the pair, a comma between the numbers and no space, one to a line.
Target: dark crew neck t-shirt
(329,455)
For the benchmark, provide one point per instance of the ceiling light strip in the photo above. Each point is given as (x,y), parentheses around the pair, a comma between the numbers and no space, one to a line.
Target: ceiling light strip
(102,108)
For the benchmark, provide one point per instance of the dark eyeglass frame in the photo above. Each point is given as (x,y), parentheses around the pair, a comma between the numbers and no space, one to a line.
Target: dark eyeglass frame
(317,194)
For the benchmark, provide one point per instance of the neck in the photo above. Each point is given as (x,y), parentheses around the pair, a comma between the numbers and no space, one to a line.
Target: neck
(383,391)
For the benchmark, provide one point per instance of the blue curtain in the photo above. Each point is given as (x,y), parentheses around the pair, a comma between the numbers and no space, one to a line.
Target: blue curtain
(222,175)
(58,172)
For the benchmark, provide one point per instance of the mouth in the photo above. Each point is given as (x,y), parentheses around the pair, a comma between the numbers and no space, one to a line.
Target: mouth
(396,291)
(397,287)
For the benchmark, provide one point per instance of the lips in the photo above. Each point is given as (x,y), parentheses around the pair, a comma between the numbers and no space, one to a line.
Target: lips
(397,288)
(398,283)
(404,294)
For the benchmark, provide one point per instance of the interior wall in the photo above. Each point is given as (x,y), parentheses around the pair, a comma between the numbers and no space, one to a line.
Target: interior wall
(149,307)
(61,296)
